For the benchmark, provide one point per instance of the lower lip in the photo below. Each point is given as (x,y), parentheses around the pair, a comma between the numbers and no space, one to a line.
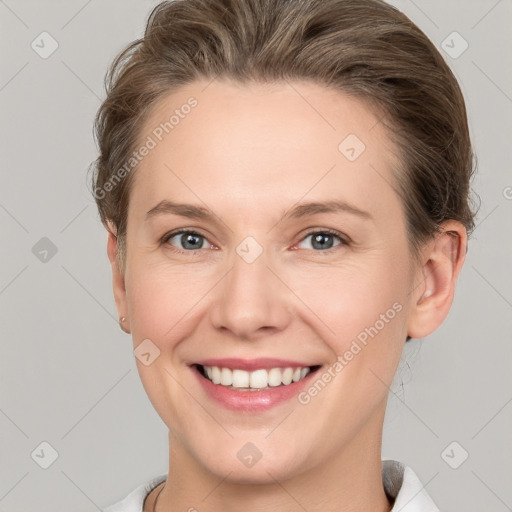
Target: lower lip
(251,401)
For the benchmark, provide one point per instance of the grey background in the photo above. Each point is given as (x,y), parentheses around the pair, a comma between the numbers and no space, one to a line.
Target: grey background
(68,375)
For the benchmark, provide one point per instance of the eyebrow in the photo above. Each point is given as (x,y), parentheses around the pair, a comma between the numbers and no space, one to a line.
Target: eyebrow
(313,208)
(299,211)
(183,210)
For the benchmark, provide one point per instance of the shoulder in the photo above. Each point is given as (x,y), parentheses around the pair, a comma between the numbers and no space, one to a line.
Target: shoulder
(405,488)
(135,500)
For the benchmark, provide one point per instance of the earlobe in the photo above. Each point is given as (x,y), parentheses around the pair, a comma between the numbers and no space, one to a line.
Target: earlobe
(118,281)
(434,289)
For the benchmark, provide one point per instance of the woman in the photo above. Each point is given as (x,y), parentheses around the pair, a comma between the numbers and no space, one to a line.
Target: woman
(285,186)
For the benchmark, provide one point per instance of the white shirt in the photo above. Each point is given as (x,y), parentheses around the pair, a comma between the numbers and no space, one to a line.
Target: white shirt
(400,483)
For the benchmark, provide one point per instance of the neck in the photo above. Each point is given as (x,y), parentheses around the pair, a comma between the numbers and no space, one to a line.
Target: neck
(348,481)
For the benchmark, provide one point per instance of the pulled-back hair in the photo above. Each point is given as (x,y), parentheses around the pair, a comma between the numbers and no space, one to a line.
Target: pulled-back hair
(365,48)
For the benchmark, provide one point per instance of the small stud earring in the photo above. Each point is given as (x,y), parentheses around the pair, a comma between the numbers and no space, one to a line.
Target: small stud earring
(121,321)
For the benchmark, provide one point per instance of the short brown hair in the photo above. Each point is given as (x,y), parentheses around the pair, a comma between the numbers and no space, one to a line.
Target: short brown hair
(365,48)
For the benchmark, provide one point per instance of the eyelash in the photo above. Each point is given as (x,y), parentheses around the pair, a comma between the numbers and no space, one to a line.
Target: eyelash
(172,234)
(342,238)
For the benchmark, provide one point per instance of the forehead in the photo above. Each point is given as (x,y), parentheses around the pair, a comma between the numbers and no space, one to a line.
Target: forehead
(260,145)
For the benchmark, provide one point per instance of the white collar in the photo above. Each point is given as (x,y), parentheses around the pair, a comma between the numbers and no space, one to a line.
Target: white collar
(400,483)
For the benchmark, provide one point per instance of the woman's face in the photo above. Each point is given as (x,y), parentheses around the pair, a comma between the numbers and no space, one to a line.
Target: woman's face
(298,258)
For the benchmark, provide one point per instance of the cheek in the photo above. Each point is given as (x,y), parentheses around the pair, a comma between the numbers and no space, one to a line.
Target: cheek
(163,305)
(361,310)
(354,300)
(362,316)
(163,297)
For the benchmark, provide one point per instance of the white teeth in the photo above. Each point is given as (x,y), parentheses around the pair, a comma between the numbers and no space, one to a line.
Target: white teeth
(258,379)
(215,374)
(226,377)
(287,376)
(274,377)
(240,378)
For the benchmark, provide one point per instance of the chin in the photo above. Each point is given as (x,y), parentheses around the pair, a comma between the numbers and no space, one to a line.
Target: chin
(244,464)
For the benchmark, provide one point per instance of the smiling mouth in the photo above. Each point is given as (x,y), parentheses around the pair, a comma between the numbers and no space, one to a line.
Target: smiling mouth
(257,380)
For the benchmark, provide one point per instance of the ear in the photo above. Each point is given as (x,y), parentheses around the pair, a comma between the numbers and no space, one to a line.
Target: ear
(118,282)
(440,264)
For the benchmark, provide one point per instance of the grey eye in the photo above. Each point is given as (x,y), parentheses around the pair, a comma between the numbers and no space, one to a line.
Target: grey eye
(320,241)
(188,241)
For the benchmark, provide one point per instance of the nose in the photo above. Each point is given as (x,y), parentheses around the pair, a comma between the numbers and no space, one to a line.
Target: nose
(251,302)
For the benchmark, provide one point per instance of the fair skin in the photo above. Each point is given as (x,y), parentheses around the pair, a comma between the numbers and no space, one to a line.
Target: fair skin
(249,154)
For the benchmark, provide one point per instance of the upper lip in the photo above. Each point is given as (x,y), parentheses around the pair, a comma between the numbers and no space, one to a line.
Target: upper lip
(261,363)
